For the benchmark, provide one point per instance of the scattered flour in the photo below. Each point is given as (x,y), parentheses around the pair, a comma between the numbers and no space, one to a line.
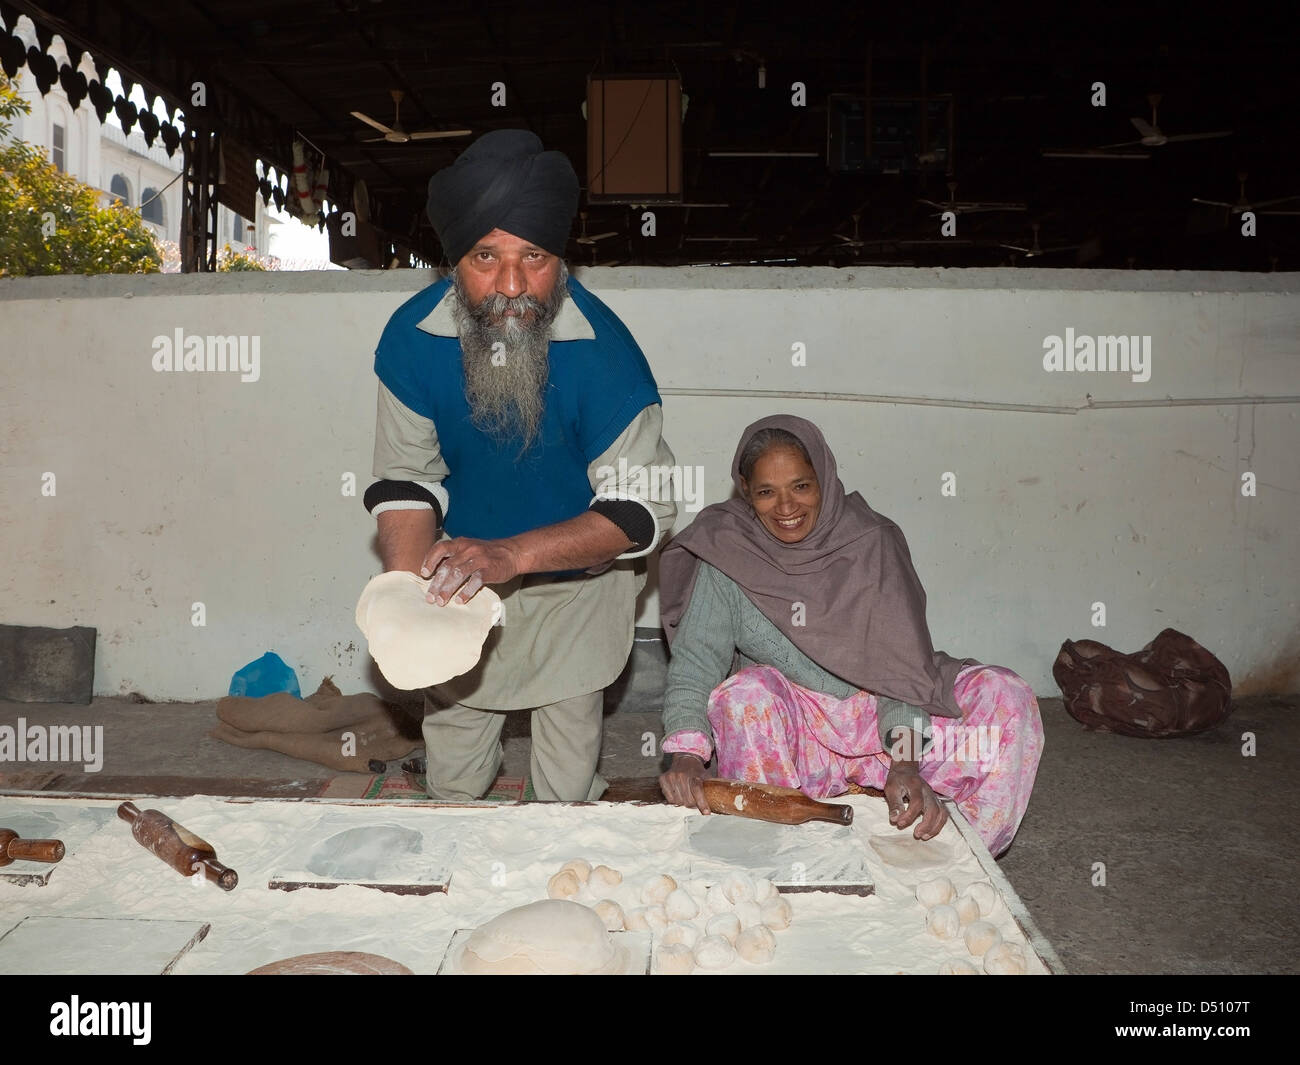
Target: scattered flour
(504,858)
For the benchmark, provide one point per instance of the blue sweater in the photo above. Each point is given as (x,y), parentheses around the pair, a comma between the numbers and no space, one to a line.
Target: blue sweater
(594,390)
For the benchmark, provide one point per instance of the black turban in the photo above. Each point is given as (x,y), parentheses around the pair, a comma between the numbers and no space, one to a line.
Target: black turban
(504,180)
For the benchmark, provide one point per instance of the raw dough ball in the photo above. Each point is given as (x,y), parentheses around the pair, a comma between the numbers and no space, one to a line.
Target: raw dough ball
(942,921)
(645,919)
(675,959)
(957,967)
(934,892)
(756,944)
(611,913)
(603,879)
(981,937)
(776,913)
(716,901)
(581,869)
(750,914)
(967,908)
(723,925)
(680,933)
(563,885)
(699,889)
(764,889)
(658,889)
(680,906)
(1006,959)
(551,937)
(986,895)
(714,952)
(739,887)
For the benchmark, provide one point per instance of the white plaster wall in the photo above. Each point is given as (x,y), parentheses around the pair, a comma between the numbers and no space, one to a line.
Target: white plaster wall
(180,488)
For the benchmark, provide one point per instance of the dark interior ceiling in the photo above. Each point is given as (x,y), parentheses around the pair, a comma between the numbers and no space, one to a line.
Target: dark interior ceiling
(1020,79)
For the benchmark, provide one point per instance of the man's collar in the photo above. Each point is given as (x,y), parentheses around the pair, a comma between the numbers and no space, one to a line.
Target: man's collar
(569,324)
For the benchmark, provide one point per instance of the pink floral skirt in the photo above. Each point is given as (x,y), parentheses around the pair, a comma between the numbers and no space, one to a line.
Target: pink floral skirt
(769,730)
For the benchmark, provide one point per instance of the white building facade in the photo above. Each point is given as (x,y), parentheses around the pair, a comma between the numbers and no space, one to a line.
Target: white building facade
(119,165)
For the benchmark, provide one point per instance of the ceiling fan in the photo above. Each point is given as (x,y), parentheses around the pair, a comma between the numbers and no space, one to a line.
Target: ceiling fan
(850,242)
(1036,249)
(1244,204)
(584,238)
(395,134)
(967,208)
(1152,137)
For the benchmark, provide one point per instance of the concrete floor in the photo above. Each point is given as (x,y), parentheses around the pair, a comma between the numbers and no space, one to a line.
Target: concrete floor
(1200,855)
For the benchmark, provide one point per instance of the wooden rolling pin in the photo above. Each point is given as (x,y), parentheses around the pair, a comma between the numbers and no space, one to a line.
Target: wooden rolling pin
(33,850)
(176,845)
(767,802)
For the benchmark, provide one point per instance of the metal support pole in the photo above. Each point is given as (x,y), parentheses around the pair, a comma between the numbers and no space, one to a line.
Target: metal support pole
(199,201)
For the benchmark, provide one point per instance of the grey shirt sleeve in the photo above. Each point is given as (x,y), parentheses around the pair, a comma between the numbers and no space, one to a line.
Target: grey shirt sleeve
(638,466)
(407,449)
(701,655)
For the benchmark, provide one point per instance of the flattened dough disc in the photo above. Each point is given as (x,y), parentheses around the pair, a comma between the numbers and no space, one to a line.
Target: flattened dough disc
(904,851)
(415,643)
(334,963)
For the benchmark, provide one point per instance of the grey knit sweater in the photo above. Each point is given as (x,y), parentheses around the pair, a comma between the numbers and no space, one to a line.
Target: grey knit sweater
(722,622)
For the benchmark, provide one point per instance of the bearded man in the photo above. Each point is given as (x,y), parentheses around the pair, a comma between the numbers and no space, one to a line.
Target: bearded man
(511,402)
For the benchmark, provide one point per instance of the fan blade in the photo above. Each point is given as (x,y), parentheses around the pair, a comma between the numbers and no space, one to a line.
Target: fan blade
(371,122)
(1212,203)
(374,140)
(1199,136)
(431,134)
(975,208)
(1269,203)
(1094,153)
(1144,127)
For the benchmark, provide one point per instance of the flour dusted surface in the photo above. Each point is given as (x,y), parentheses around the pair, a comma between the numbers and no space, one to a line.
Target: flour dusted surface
(504,858)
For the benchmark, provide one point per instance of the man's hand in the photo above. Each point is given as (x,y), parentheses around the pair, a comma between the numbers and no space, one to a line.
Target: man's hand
(681,784)
(909,798)
(464,564)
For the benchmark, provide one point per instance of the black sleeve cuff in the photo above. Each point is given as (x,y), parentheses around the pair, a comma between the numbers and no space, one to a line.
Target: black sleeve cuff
(630,516)
(401,491)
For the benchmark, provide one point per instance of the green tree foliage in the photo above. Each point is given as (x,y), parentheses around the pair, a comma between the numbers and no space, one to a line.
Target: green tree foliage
(50,223)
(231,260)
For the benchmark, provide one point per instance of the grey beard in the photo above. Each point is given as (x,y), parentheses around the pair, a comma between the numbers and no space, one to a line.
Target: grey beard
(506,386)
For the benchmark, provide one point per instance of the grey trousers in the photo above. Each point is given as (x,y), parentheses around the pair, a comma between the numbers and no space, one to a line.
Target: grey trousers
(462,747)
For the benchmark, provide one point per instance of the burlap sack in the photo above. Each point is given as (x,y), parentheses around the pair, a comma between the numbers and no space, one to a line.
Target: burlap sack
(318,728)
(1172,687)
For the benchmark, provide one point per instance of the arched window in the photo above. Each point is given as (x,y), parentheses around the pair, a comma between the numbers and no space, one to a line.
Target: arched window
(120,189)
(151,207)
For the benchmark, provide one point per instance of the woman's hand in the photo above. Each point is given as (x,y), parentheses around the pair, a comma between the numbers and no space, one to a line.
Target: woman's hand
(909,798)
(681,784)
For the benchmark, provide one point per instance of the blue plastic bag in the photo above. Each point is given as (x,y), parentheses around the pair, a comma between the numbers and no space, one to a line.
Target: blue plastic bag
(268,675)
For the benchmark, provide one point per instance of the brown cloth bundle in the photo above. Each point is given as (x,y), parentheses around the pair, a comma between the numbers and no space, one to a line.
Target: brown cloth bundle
(1172,687)
(313,728)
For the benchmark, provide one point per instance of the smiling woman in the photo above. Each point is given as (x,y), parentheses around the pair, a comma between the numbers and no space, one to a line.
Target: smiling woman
(815,594)
(780,483)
